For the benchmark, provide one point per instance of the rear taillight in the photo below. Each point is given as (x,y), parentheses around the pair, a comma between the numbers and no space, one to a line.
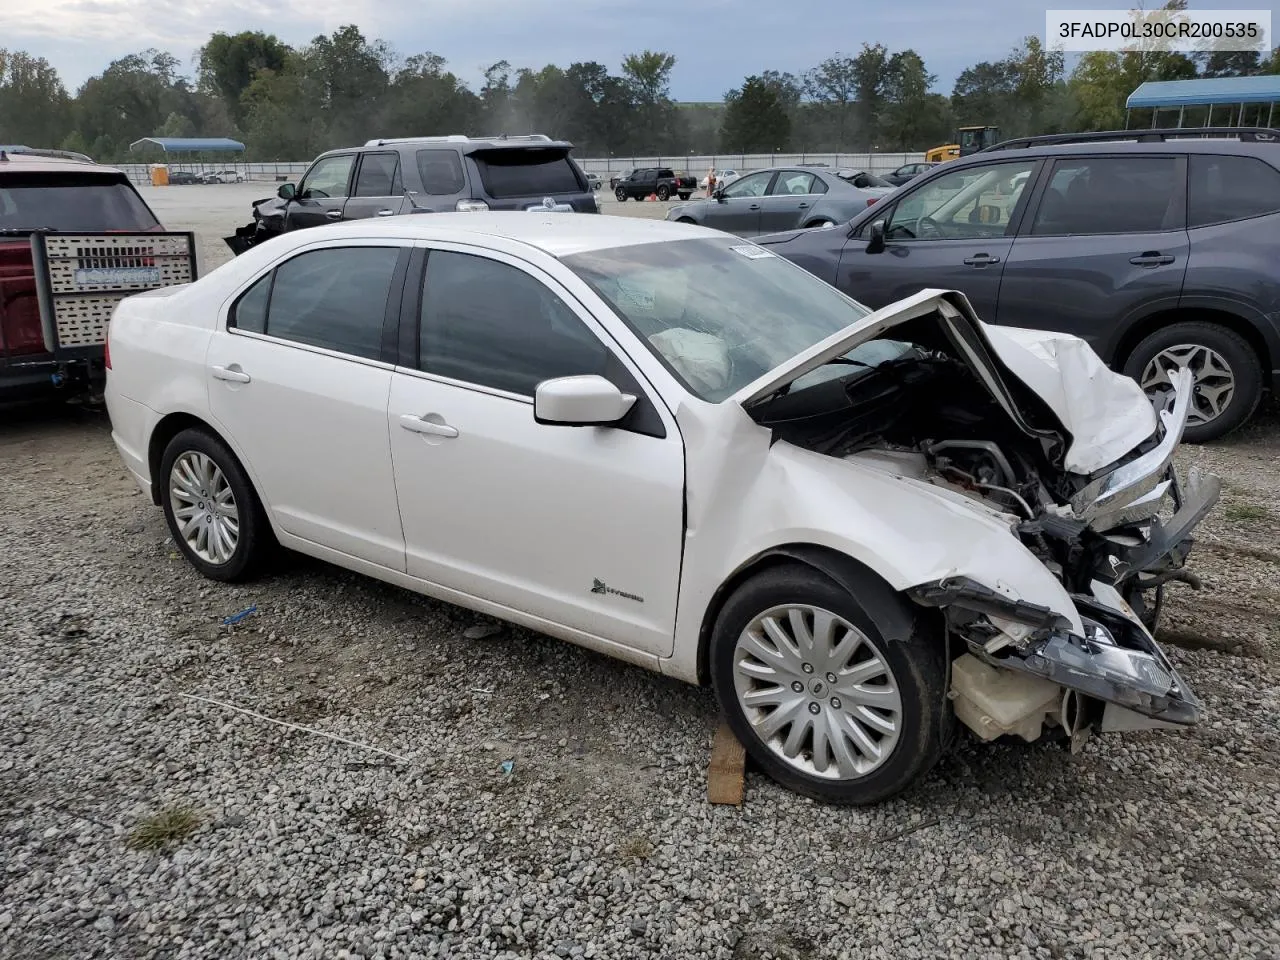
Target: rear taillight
(106,349)
(872,200)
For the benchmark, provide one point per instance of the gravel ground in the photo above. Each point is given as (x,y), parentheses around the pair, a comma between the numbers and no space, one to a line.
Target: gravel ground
(278,843)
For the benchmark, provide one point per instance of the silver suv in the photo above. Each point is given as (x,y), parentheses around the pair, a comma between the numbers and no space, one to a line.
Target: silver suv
(388,177)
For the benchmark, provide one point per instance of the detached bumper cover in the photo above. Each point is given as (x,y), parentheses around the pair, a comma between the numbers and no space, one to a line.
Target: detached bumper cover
(1115,661)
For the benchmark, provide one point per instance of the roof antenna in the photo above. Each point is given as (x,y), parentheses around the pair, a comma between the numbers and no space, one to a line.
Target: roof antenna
(409,195)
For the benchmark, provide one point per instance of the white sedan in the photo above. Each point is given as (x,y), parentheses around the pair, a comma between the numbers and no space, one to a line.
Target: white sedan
(672,446)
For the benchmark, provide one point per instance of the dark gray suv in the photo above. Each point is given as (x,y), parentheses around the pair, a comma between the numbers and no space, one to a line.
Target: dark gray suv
(1160,250)
(385,178)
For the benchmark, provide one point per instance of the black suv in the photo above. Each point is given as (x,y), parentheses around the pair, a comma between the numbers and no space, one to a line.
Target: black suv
(424,175)
(1159,247)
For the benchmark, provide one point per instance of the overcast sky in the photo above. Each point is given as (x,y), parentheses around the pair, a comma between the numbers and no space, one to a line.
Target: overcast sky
(716,42)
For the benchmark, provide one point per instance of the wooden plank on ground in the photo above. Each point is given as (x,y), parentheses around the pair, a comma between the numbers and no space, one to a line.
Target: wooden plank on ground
(727,771)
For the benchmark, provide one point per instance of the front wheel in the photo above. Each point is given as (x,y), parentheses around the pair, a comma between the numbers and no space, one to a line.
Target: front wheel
(822,224)
(212,511)
(1226,374)
(621,195)
(821,698)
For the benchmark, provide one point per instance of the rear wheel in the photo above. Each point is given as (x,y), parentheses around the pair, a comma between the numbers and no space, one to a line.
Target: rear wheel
(621,195)
(212,511)
(823,224)
(664,194)
(686,220)
(685,196)
(1227,374)
(826,704)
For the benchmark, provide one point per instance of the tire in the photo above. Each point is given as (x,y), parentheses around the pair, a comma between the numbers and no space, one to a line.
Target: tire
(914,665)
(687,220)
(252,534)
(1216,355)
(621,195)
(664,194)
(685,196)
(822,224)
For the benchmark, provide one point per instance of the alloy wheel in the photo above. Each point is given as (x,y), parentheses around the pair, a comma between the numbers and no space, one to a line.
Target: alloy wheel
(817,692)
(1213,383)
(204,507)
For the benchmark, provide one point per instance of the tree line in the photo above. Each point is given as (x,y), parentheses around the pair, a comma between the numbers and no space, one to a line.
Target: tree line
(290,103)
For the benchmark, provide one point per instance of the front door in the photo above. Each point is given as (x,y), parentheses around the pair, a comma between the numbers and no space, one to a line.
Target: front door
(954,231)
(322,193)
(737,210)
(790,201)
(297,376)
(1107,238)
(579,526)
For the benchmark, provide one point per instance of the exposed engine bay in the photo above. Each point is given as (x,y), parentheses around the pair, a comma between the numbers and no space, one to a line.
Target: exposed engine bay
(929,404)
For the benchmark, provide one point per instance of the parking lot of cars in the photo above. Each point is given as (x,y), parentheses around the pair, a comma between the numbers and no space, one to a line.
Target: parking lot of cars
(504,794)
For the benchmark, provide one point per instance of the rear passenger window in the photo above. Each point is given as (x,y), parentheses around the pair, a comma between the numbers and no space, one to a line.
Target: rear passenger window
(1103,195)
(490,324)
(1230,188)
(441,172)
(379,176)
(335,298)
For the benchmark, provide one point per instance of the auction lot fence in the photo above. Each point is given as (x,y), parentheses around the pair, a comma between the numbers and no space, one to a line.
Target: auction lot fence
(603,166)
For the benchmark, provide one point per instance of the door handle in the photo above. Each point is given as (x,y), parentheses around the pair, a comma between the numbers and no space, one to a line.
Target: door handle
(333,215)
(804,206)
(981,260)
(232,373)
(1152,258)
(754,206)
(385,213)
(429,427)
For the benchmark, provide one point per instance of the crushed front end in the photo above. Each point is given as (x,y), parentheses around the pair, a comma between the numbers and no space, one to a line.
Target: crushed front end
(1122,536)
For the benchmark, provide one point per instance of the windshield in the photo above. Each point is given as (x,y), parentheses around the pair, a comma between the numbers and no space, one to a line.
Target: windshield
(69,202)
(720,313)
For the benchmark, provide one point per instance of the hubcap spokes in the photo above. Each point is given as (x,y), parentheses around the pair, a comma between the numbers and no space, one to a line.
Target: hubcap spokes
(817,691)
(1213,383)
(204,507)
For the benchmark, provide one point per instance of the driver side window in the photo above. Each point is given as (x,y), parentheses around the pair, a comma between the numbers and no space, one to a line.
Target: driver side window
(328,178)
(968,203)
(752,186)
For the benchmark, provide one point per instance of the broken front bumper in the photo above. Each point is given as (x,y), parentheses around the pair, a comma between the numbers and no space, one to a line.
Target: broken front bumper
(1115,661)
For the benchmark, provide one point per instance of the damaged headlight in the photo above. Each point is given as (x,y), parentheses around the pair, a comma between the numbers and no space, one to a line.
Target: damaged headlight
(1096,664)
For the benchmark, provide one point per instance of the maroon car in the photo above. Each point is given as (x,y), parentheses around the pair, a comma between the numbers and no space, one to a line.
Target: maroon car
(61,197)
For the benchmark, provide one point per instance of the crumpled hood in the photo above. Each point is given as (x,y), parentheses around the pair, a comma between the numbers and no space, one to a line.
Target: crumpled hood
(1106,412)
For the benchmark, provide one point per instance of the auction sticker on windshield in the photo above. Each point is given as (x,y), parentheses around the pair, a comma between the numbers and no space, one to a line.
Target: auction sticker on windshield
(752,252)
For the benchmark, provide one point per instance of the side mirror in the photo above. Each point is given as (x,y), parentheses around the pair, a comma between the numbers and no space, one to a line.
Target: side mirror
(583,401)
(287,191)
(875,239)
(718,194)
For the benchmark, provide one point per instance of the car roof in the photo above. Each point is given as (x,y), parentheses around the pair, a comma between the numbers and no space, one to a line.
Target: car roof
(34,163)
(557,234)
(1265,150)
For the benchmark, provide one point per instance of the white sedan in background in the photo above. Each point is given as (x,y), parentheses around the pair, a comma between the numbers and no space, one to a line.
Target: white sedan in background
(672,446)
(723,178)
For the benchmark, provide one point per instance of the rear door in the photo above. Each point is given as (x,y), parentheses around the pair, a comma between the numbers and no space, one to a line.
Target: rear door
(379,187)
(789,201)
(1106,243)
(954,231)
(322,193)
(737,208)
